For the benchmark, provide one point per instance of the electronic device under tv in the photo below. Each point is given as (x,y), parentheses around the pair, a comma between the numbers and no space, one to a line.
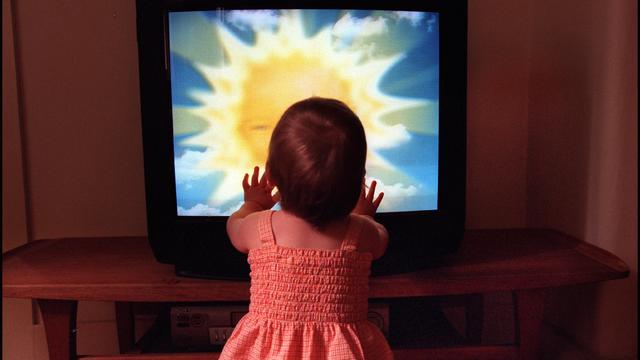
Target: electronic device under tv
(215,76)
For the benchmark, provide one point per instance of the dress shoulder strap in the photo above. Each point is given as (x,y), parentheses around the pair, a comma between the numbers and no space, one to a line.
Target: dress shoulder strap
(350,242)
(265,230)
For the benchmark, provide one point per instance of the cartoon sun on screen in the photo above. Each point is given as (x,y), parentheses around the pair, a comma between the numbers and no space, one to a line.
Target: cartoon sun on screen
(268,61)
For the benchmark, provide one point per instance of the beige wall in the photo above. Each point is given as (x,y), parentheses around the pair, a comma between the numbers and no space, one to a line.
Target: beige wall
(541,75)
(497,113)
(17,321)
(81,117)
(583,156)
(14,220)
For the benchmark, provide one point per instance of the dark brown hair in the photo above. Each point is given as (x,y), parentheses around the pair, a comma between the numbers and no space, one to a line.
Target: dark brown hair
(317,159)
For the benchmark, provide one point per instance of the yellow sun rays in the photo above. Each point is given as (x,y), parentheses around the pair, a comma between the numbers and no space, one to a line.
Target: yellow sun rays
(257,82)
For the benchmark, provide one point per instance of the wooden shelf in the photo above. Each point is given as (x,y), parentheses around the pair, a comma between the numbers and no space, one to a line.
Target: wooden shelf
(60,272)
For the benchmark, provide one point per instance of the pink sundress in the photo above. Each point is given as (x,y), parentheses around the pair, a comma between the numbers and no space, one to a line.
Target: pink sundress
(307,304)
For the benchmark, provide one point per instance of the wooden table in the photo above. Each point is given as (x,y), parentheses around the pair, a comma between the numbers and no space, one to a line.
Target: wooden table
(60,272)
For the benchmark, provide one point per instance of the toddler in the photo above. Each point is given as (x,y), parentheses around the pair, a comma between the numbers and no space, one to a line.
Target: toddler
(310,261)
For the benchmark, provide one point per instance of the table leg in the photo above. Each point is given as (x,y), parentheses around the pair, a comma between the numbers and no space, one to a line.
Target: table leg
(474,315)
(529,314)
(126,326)
(59,318)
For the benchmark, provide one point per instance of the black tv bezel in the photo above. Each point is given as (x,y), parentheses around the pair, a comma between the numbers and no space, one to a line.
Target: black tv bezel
(199,246)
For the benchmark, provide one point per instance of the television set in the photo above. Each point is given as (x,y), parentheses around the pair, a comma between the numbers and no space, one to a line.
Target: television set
(215,76)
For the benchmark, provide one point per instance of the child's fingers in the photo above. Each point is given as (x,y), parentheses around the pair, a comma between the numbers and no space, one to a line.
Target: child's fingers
(254,178)
(372,190)
(263,179)
(245,182)
(378,200)
(363,194)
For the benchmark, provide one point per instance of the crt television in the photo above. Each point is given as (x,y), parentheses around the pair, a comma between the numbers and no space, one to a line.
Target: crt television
(215,76)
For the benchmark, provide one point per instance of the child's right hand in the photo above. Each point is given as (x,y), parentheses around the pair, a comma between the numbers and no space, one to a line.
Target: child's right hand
(258,196)
(259,192)
(366,204)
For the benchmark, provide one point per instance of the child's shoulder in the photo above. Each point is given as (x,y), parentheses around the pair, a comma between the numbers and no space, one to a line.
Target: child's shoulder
(254,217)
(373,236)
(247,236)
(252,221)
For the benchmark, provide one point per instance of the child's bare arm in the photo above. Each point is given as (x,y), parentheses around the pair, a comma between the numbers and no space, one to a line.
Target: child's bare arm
(367,207)
(379,232)
(257,197)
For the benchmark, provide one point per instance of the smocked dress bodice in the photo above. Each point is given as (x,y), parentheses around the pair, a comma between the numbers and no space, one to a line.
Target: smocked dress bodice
(307,303)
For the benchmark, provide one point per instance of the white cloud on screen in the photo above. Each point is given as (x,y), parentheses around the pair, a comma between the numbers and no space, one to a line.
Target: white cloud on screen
(392,190)
(200,210)
(253,19)
(349,27)
(412,16)
(207,210)
(394,194)
(187,169)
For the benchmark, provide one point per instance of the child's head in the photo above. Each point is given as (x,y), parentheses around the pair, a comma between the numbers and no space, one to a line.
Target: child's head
(316,159)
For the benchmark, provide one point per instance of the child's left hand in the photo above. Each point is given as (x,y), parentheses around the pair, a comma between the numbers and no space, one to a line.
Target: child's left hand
(366,204)
(259,192)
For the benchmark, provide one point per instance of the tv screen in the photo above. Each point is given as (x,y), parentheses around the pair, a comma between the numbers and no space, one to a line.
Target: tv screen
(215,77)
(234,72)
